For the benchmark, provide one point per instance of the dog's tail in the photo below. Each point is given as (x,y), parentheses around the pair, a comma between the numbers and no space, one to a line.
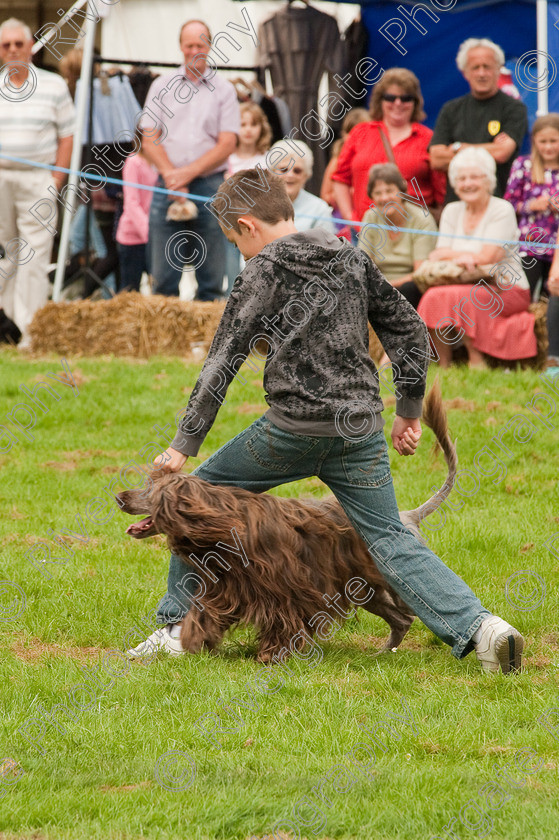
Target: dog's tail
(434,416)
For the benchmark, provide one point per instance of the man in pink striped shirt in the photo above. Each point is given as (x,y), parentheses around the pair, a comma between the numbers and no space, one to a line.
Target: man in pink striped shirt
(191,133)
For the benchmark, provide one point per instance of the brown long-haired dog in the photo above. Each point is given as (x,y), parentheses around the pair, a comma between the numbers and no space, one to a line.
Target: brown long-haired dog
(270,561)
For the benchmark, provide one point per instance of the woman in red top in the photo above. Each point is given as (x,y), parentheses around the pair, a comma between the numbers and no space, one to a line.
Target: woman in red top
(395,135)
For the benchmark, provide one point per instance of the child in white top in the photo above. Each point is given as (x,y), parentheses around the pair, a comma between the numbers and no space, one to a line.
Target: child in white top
(254,141)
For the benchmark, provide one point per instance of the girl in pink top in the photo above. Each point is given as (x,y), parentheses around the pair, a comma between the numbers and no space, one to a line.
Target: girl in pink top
(132,232)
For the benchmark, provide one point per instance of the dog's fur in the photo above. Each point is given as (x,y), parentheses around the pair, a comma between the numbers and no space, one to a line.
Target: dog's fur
(297,550)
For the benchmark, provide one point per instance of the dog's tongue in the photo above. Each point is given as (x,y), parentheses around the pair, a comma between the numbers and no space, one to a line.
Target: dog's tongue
(139,527)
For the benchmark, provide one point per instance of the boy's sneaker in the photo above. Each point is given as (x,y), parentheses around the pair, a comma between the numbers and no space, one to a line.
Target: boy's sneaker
(166,639)
(498,645)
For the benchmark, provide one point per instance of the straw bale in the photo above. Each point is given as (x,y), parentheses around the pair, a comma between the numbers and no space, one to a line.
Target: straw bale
(130,324)
(376,349)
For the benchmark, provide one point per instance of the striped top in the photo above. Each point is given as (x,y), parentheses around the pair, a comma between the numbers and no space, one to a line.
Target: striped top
(34,117)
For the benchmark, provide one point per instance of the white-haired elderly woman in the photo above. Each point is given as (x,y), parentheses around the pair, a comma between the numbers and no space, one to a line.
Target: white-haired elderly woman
(485,117)
(295,168)
(478,314)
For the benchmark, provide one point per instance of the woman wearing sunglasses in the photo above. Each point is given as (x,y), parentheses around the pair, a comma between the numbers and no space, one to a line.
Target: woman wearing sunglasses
(395,135)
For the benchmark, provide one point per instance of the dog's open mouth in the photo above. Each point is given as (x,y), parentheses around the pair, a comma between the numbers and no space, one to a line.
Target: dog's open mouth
(143,528)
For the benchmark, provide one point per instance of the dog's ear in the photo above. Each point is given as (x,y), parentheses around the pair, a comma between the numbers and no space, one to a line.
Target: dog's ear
(194,508)
(135,502)
(139,499)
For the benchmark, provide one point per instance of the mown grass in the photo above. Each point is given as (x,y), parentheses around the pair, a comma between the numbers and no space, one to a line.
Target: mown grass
(95,778)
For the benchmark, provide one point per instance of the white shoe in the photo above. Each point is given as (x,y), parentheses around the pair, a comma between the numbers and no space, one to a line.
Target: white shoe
(165,639)
(498,645)
(25,342)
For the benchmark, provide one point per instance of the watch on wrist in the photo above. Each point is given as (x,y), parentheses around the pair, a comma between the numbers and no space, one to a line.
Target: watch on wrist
(456,146)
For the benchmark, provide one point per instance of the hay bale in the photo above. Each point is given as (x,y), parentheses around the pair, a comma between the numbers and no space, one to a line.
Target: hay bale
(130,324)
(376,350)
(539,311)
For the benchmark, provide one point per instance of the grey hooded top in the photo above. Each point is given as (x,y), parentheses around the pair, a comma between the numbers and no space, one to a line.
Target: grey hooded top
(310,296)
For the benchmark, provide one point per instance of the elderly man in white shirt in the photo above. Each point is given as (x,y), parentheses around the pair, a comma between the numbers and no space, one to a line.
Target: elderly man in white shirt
(36,127)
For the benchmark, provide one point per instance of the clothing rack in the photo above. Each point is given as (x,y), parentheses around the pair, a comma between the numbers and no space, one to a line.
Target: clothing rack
(87,271)
(69,208)
(100,60)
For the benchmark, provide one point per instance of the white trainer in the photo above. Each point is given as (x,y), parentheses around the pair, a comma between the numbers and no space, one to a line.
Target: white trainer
(164,639)
(498,645)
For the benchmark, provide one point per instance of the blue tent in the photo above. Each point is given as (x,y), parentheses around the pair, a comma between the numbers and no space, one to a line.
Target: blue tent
(425,39)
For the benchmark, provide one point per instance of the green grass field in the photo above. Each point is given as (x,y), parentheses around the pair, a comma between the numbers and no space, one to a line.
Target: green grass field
(133,763)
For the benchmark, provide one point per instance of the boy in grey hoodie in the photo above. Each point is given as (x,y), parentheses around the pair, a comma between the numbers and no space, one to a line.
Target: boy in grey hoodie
(310,297)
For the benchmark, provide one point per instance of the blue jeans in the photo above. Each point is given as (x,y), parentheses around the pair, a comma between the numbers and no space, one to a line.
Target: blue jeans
(358,473)
(199,243)
(96,241)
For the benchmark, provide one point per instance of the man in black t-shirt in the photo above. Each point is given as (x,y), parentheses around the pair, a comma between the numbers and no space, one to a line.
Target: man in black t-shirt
(484,117)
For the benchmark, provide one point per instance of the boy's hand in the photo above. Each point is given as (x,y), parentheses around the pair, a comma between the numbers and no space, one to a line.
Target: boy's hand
(405,435)
(171,460)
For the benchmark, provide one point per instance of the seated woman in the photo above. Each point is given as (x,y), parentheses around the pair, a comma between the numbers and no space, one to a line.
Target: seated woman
(396,253)
(480,318)
(295,168)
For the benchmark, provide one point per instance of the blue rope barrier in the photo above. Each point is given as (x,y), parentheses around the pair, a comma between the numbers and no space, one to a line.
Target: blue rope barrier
(338,222)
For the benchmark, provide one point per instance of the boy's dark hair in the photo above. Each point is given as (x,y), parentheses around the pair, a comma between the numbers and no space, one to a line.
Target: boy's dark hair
(256,192)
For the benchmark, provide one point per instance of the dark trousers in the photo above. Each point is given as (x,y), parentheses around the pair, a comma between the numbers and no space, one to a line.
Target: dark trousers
(553,327)
(133,263)
(535,270)
(411,293)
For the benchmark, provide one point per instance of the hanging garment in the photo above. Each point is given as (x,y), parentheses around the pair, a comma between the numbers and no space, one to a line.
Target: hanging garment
(277,114)
(114,113)
(284,115)
(297,46)
(141,78)
(356,40)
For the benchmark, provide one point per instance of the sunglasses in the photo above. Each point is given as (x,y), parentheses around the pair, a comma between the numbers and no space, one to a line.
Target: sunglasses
(297,170)
(392,97)
(17,44)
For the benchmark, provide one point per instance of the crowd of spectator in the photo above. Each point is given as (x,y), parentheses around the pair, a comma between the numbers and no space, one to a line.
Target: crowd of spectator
(461,191)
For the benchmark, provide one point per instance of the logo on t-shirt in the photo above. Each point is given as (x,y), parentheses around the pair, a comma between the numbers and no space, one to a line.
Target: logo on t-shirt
(493,127)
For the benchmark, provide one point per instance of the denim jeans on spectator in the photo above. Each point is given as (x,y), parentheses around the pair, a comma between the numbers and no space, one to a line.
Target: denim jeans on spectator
(133,263)
(358,473)
(77,232)
(167,263)
(96,241)
(232,264)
